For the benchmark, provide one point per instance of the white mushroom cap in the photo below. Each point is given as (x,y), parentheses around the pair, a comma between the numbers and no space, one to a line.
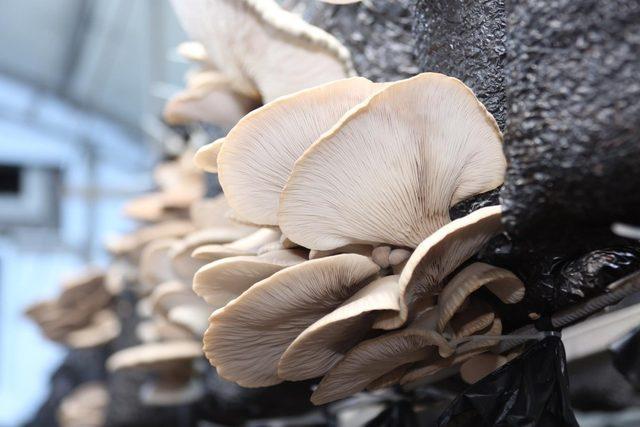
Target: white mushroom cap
(130,244)
(154,355)
(349,249)
(193,51)
(326,341)
(211,212)
(85,406)
(503,283)
(264,49)
(247,245)
(168,391)
(208,98)
(171,294)
(104,327)
(478,367)
(155,263)
(247,337)
(375,357)
(258,154)
(206,158)
(194,317)
(477,317)
(222,281)
(160,329)
(439,255)
(389,171)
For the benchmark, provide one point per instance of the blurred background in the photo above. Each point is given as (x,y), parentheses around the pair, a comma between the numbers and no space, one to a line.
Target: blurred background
(82,85)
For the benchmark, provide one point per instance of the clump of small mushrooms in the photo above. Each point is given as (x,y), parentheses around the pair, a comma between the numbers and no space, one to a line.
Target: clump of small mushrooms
(81,316)
(356,273)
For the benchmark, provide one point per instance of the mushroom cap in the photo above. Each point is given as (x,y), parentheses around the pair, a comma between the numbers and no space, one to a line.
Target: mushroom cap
(478,367)
(154,355)
(194,317)
(349,249)
(477,317)
(206,158)
(211,212)
(247,337)
(84,406)
(373,358)
(506,285)
(162,392)
(247,245)
(208,98)
(193,51)
(391,168)
(130,244)
(264,49)
(104,327)
(482,344)
(155,263)
(428,367)
(326,341)
(258,154)
(439,255)
(169,295)
(160,329)
(224,280)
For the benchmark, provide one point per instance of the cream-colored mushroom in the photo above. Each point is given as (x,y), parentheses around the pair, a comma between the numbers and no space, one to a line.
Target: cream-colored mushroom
(155,264)
(221,281)
(193,51)
(262,48)
(85,406)
(349,249)
(503,283)
(247,337)
(371,359)
(389,171)
(325,342)
(103,327)
(475,318)
(478,367)
(131,244)
(257,156)
(208,98)
(248,245)
(439,255)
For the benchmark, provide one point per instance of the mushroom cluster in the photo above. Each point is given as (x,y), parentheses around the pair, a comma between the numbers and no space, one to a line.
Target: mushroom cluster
(81,316)
(85,406)
(357,273)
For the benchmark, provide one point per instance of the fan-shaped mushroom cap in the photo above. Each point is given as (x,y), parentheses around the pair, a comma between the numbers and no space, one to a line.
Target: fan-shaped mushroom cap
(247,337)
(480,366)
(482,344)
(193,51)
(152,355)
(208,98)
(168,391)
(206,158)
(211,212)
(171,294)
(428,367)
(349,249)
(248,245)
(104,327)
(81,285)
(326,341)
(503,283)
(160,329)
(475,318)
(130,244)
(155,263)
(439,255)
(258,154)
(389,171)
(264,49)
(194,317)
(85,406)
(221,281)
(375,357)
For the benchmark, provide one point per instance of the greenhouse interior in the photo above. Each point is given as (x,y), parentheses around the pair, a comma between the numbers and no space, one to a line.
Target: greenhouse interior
(436,221)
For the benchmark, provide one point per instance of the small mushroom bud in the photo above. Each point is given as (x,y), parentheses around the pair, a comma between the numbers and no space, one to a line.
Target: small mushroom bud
(380,256)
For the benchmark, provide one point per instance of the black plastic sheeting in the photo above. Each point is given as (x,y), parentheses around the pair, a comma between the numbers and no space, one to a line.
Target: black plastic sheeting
(531,390)
(626,357)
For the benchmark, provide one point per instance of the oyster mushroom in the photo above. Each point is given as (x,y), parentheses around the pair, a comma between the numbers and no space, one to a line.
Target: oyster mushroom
(208,98)
(373,358)
(171,362)
(104,326)
(224,280)
(502,283)
(247,245)
(264,50)
(326,341)
(247,337)
(193,51)
(439,255)
(257,156)
(389,171)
